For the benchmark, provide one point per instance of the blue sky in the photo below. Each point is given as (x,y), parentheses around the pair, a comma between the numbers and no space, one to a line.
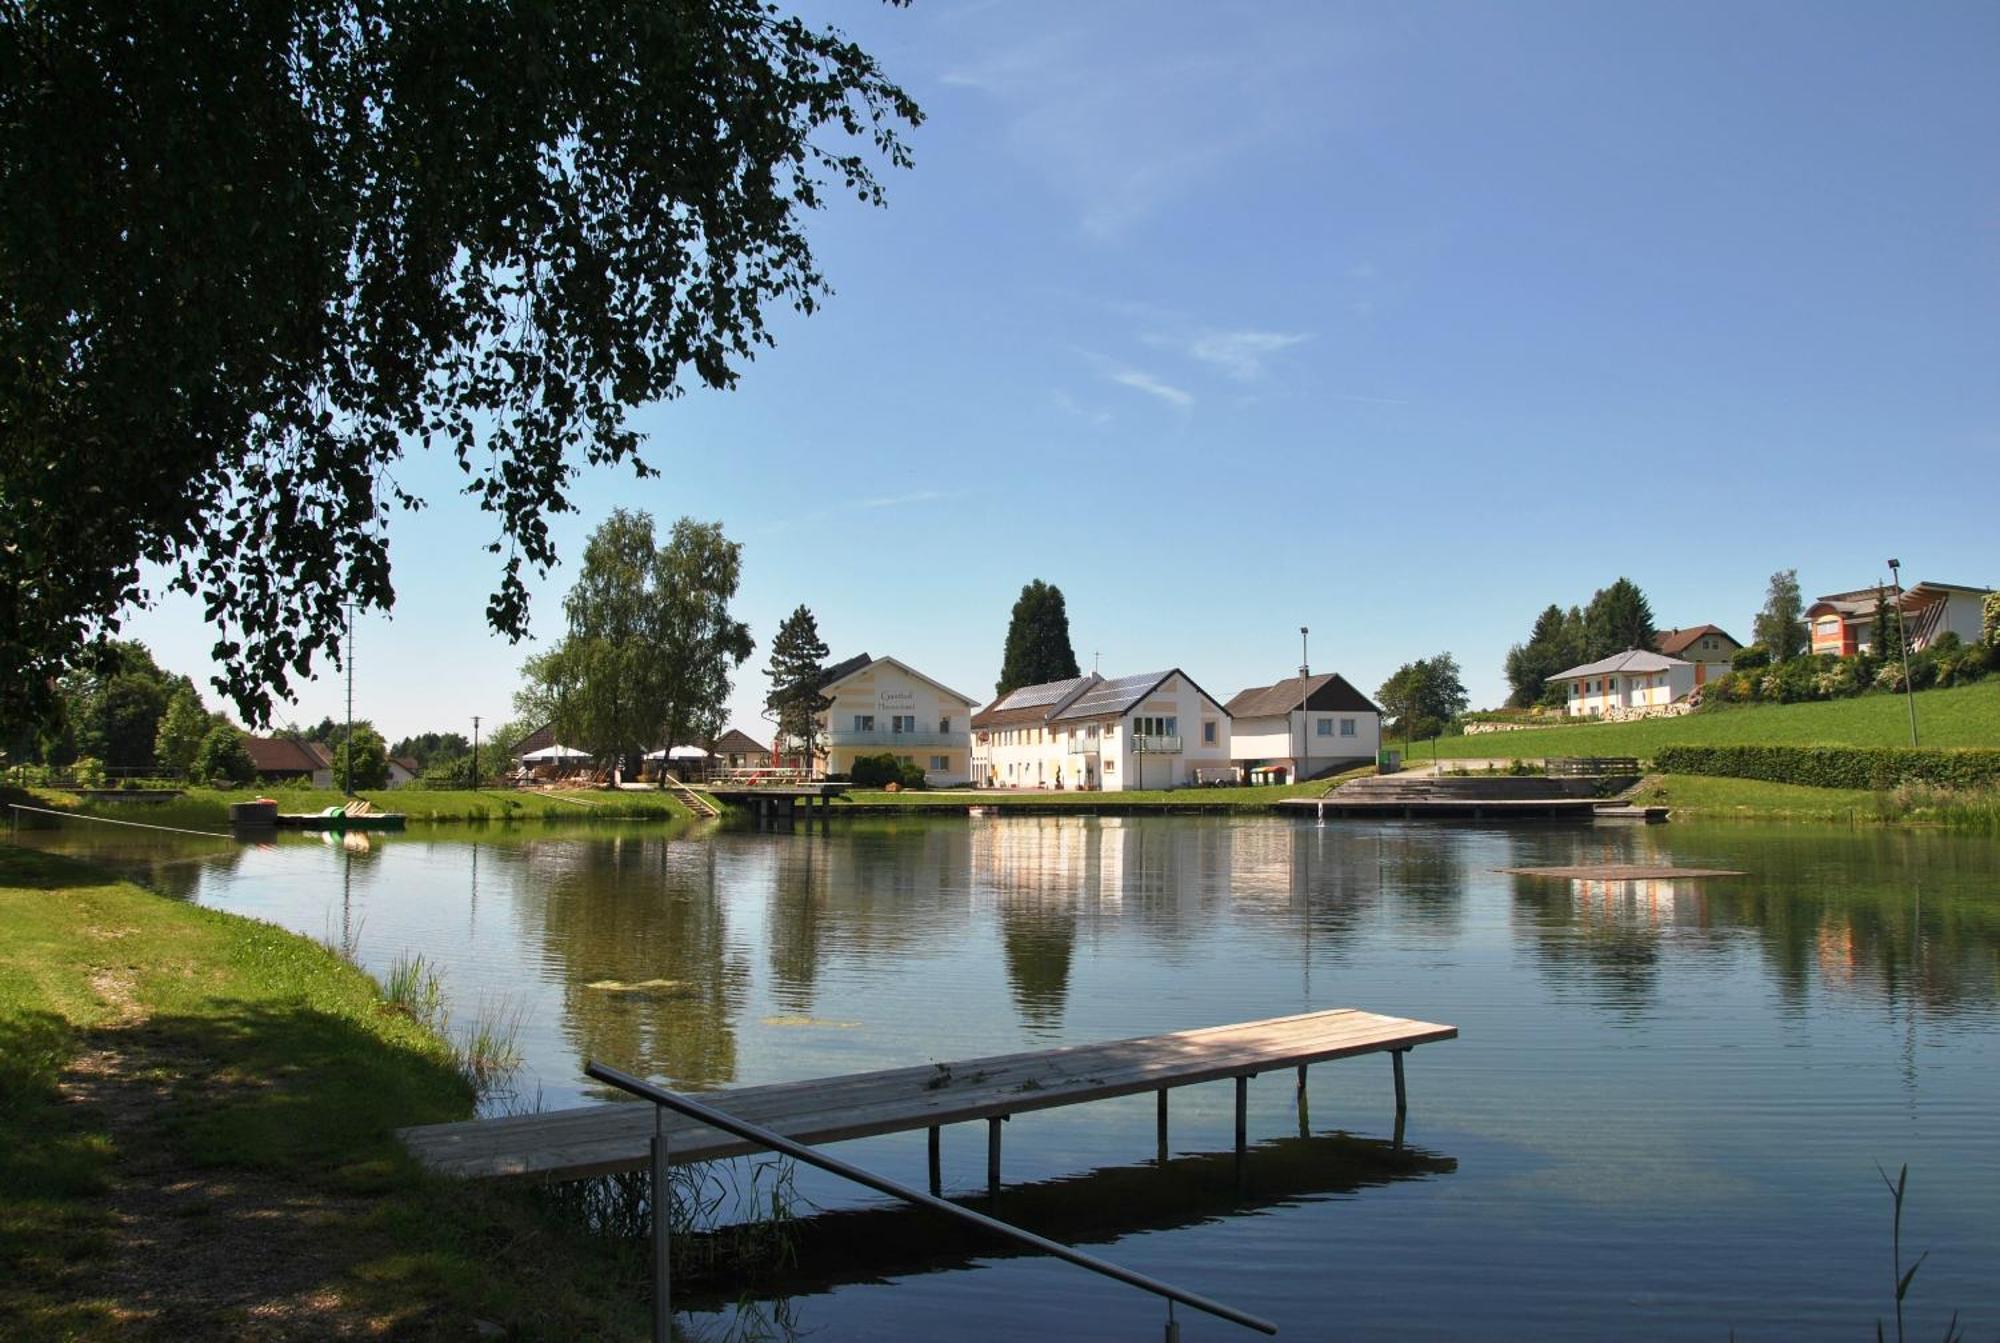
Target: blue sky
(1397,321)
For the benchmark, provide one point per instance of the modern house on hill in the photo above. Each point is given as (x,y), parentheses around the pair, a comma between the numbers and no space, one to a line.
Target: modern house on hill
(1153,730)
(882,706)
(282,760)
(1290,730)
(1708,647)
(1634,680)
(1843,623)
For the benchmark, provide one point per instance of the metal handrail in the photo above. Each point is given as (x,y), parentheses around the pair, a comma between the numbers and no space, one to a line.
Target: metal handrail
(777,1142)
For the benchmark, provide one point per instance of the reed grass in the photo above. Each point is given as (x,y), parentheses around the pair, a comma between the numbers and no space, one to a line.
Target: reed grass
(414,989)
(487,1052)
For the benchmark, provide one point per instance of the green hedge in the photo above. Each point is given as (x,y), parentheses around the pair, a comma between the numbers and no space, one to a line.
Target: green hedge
(1836,766)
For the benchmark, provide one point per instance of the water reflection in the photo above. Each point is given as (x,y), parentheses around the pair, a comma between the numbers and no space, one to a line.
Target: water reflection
(636,931)
(1623,1174)
(865,1244)
(1846,932)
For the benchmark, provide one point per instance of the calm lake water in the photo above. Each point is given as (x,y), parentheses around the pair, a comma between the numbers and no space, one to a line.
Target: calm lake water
(1663,1117)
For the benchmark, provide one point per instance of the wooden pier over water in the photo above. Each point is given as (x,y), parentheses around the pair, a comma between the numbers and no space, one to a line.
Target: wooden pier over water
(599,1139)
(775,801)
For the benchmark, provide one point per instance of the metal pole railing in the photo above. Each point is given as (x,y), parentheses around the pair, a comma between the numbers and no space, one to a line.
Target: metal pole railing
(777,1142)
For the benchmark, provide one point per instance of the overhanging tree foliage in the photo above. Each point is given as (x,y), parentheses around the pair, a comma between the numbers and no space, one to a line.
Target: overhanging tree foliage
(251,254)
(1038,647)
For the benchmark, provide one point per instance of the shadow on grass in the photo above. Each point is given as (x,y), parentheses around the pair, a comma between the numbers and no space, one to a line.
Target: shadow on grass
(235,1172)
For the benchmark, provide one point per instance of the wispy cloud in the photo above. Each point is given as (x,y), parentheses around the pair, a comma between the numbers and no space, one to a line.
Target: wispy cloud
(1243,355)
(1070,405)
(1140,381)
(868,504)
(1125,123)
(896,500)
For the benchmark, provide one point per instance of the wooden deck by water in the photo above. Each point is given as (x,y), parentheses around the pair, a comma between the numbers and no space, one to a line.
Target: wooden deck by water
(599,1139)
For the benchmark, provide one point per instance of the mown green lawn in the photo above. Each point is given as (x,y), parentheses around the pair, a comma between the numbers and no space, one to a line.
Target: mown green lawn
(229,1090)
(208,808)
(1961,716)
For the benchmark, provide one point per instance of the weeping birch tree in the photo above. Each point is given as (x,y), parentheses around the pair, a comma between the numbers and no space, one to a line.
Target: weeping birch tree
(651,647)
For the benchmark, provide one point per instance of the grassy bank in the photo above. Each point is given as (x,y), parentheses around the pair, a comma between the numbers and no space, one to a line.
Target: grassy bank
(1960,716)
(1692,795)
(208,808)
(195,1140)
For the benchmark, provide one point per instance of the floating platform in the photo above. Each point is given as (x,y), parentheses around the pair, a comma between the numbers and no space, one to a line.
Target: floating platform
(1646,815)
(600,1139)
(381,820)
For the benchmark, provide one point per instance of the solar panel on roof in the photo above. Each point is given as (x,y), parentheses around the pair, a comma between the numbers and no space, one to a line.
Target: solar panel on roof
(1113,696)
(1034,696)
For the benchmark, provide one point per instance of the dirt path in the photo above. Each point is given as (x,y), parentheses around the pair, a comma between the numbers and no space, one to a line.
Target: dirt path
(199,1253)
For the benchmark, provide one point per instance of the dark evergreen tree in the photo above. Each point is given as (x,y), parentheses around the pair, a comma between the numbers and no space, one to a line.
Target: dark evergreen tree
(1619,617)
(1038,647)
(1886,643)
(797,665)
(1781,627)
(1551,648)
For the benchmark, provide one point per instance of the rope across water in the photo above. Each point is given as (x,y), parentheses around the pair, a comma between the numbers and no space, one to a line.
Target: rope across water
(106,820)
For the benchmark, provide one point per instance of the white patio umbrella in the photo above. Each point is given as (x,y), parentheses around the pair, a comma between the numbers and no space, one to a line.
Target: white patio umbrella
(679,753)
(549,754)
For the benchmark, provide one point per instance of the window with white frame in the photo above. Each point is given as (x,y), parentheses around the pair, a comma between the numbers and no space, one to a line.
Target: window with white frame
(1347,727)
(903,722)
(940,762)
(944,724)
(1324,728)
(1156,726)
(1208,732)
(864,722)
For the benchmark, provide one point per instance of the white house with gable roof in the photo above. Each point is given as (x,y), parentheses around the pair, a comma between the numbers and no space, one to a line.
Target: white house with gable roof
(882,706)
(1153,730)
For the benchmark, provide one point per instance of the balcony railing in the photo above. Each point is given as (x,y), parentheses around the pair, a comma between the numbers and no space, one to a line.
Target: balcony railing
(1143,745)
(910,741)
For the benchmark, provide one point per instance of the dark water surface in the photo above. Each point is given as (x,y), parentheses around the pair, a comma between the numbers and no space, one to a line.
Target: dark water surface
(1663,1118)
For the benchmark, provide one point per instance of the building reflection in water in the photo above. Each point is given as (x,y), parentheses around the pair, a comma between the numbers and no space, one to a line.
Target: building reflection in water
(1871,941)
(863,894)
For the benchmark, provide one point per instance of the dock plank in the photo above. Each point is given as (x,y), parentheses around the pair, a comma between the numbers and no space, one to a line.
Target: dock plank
(600,1139)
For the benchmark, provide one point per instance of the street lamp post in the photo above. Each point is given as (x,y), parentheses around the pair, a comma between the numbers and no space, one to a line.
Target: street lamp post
(1903,639)
(475,753)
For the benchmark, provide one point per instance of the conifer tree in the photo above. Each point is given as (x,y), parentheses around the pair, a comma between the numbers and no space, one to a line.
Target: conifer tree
(1619,617)
(1038,647)
(798,662)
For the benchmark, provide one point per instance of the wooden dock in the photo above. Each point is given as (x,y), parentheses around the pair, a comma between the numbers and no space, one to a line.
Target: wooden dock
(772,802)
(600,1139)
